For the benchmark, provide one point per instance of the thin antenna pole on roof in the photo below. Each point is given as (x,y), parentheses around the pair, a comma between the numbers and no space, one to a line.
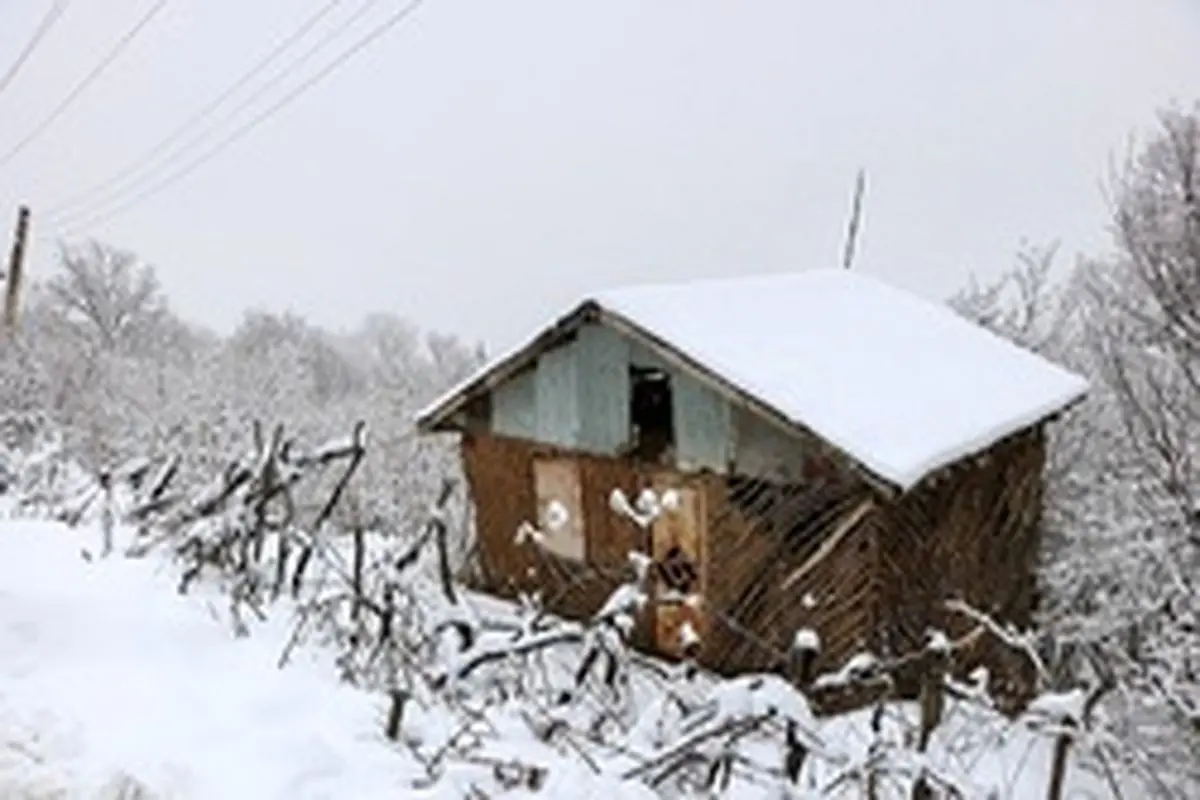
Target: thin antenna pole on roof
(860,187)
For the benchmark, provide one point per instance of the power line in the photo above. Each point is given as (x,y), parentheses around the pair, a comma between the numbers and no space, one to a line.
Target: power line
(115,192)
(39,33)
(245,129)
(190,144)
(87,81)
(118,177)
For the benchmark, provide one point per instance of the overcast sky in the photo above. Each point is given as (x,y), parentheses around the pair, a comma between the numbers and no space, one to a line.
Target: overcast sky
(489,161)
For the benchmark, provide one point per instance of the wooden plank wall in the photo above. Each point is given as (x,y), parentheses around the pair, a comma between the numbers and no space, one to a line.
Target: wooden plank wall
(500,478)
(756,616)
(970,532)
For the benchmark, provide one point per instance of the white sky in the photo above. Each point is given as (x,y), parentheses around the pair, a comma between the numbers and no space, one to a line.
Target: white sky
(480,168)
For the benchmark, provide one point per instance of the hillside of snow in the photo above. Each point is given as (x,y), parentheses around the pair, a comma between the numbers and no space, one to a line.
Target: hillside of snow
(110,679)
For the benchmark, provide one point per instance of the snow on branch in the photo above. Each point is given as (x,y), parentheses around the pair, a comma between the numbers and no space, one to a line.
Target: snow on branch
(1022,643)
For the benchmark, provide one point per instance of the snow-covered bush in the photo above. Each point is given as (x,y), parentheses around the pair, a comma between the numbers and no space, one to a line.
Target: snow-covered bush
(109,373)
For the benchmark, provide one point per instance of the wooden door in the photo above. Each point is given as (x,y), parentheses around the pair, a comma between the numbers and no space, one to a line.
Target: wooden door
(681,569)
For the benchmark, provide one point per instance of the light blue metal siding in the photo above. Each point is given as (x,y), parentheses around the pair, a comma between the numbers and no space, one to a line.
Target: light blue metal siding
(642,356)
(557,396)
(761,450)
(514,406)
(702,425)
(603,369)
(578,398)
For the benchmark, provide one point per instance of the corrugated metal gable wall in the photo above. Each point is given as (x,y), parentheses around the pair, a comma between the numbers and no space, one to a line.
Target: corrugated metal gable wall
(603,358)
(557,397)
(703,433)
(702,426)
(578,397)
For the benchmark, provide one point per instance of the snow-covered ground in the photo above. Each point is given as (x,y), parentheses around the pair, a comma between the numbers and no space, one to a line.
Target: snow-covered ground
(110,679)
(106,671)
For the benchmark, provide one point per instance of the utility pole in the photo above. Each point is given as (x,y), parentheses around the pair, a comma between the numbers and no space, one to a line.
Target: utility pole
(16,267)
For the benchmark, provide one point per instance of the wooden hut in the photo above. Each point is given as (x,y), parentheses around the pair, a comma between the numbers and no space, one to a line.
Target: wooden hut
(845,457)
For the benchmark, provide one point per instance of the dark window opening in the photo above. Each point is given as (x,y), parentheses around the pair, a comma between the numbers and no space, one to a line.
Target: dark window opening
(651,413)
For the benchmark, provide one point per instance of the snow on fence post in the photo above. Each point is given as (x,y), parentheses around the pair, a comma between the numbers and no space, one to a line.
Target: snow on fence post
(934,667)
(1071,719)
(802,657)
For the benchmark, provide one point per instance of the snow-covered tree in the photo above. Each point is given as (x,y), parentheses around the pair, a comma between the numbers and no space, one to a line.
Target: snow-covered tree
(1120,598)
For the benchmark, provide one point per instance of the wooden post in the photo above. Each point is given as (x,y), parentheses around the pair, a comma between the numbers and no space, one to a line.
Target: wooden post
(12,295)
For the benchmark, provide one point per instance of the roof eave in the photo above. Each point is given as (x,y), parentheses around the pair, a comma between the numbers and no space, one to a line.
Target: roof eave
(1040,422)
(1070,405)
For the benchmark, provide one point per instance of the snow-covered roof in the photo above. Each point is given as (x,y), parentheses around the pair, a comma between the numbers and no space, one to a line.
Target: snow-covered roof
(902,385)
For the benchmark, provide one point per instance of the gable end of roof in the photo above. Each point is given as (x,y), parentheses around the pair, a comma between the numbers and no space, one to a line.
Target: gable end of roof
(436,417)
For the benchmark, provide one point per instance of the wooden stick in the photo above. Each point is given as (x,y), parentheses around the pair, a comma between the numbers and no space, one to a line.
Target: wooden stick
(843,529)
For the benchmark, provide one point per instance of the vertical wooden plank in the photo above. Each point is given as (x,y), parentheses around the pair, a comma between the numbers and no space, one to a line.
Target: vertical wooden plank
(556,481)
(610,536)
(677,541)
(500,477)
